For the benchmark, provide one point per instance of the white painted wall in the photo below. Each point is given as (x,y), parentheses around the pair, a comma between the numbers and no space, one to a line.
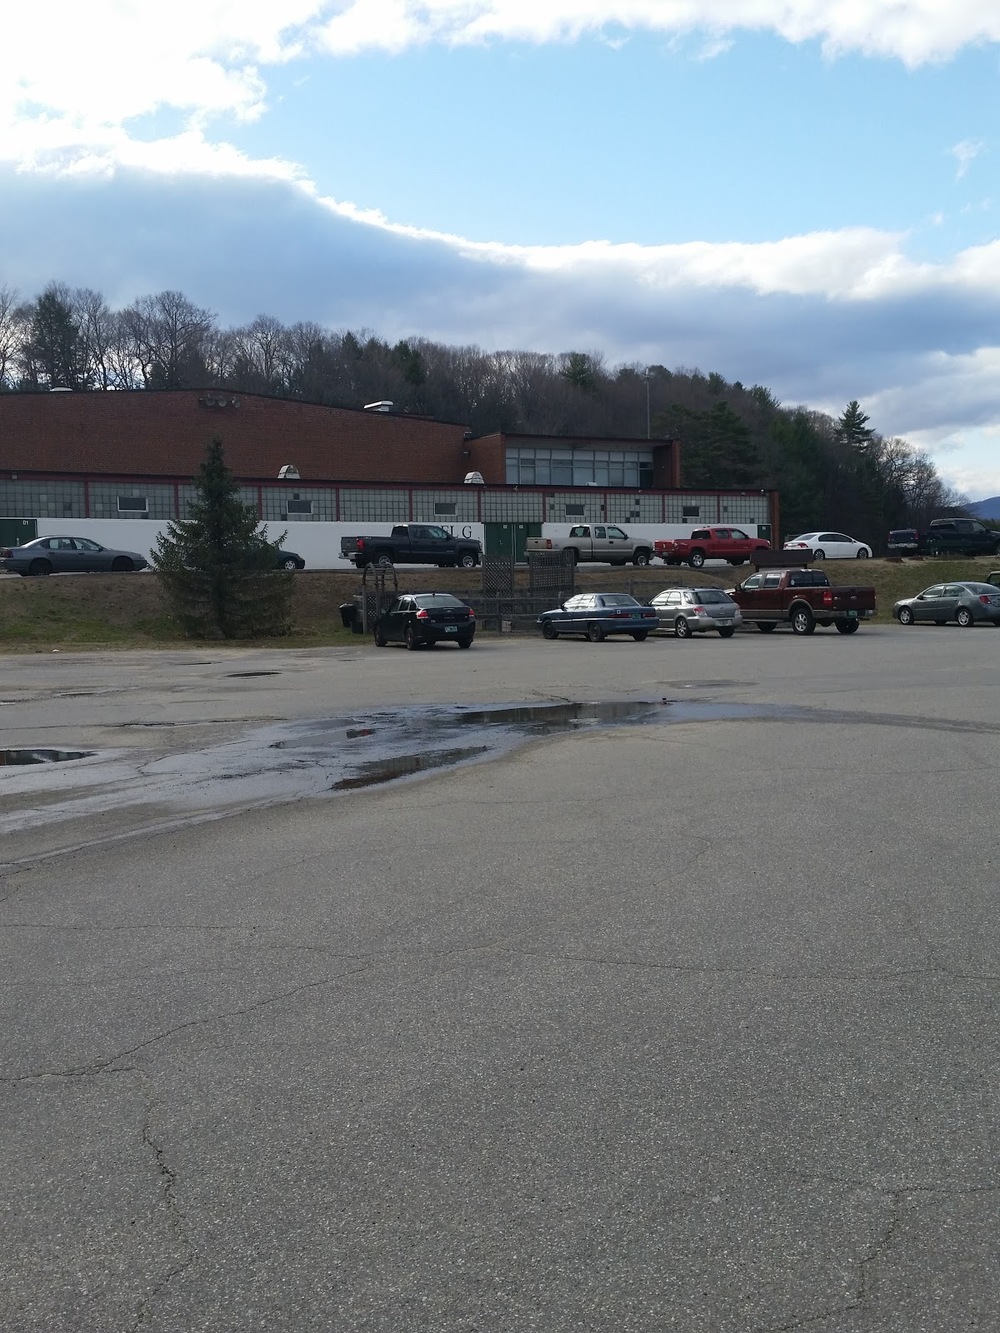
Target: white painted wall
(317,543)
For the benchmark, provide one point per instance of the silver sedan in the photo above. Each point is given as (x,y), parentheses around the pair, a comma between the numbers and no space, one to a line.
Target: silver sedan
(689,611)
(965,603)
(68,555)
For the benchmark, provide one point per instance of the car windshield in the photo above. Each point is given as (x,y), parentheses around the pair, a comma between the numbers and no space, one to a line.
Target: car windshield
(710,596)
(437,599)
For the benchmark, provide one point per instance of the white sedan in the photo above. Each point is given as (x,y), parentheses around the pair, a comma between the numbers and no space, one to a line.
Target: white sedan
(829,546)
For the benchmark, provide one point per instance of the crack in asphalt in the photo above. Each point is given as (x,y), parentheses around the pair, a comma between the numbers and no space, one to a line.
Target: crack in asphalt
(176,1218)
(108,1064)
(868,1263)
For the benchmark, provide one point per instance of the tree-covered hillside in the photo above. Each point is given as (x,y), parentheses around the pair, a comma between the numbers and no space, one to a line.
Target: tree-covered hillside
(830,472)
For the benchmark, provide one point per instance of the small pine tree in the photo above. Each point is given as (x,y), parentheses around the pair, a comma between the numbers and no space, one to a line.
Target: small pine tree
(218,572)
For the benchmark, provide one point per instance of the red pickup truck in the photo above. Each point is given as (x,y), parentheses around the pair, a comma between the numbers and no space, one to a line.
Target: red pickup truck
(802,598)
(731,544)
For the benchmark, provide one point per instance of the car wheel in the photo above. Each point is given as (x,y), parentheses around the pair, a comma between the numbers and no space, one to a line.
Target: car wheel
(819,555)
(765,626)
(549,630)
(682,630)
(410,638)
(847,626)
(465,641)
(383,559)
(803,621)
(288,563)
(121,564)
(39,567)
(696,559)
(862,554)
(736,563)
(594,633)
(467,561)
(963,617)
(380,640)
(641,559)
(906,616)
(640,635)
(727,633)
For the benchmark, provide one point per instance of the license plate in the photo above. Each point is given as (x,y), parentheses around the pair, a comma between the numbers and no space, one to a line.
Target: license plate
(451,629)
(852,615)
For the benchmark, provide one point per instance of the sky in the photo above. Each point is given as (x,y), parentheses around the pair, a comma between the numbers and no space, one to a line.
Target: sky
(796,193)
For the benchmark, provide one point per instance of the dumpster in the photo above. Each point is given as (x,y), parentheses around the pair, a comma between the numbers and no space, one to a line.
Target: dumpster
(349,616)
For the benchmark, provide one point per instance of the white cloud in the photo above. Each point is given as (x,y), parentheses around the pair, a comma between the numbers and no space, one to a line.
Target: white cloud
(108,61)
(965,153)
(914,31)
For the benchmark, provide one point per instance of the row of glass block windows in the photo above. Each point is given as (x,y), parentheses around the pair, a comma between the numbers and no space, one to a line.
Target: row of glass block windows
(66,499)
(528,466)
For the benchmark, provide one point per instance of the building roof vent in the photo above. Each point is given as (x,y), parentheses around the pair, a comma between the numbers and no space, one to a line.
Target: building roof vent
(383,405)
(289,472)
(474,479)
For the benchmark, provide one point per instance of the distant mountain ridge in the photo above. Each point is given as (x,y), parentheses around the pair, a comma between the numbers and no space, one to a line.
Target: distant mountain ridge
(985,508)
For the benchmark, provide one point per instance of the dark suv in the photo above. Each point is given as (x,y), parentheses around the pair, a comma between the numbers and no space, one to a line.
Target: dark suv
(961,536)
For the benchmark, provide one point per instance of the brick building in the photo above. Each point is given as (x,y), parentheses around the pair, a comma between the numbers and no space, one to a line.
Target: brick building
(92,462)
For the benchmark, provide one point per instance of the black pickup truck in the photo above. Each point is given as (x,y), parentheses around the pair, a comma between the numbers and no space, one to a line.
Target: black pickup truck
(946,536)
(412,544)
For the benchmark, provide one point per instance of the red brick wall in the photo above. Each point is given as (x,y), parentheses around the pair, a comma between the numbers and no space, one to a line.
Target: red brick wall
(487,455)
(151,433)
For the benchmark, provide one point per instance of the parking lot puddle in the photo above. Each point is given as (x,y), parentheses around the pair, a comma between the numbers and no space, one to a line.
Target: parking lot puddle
(9,758)
(281,762)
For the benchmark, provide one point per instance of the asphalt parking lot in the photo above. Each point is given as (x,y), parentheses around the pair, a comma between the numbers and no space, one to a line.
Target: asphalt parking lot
(686,1022)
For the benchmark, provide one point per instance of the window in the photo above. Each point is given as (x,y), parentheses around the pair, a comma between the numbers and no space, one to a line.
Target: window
(445,507)
(132,504)
(691,511)
(297,506)
(576,511)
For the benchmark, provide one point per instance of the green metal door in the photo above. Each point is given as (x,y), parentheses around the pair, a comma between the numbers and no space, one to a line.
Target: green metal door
(507,539)
(17,531)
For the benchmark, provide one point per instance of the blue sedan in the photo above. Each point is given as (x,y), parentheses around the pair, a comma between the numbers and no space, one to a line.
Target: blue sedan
(598,614)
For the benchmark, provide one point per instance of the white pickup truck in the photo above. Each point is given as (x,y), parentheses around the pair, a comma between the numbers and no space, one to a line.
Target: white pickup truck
(599,542)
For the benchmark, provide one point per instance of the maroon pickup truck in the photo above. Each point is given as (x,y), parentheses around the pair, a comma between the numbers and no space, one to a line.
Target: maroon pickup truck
(731,544)
(802,598)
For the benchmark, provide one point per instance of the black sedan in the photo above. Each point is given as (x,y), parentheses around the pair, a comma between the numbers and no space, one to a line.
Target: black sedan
(417,618)
(288,559)
(68,555)
(598,614)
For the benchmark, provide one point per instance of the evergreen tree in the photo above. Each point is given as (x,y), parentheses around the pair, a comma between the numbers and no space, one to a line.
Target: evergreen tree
(218,572)
(53,355)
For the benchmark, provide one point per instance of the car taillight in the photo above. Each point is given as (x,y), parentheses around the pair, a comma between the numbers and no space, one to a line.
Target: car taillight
(828,599)
(698,610)
(422,615)
(985,597)
(5,553)
(472,614)
(360,543)
(650,615)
